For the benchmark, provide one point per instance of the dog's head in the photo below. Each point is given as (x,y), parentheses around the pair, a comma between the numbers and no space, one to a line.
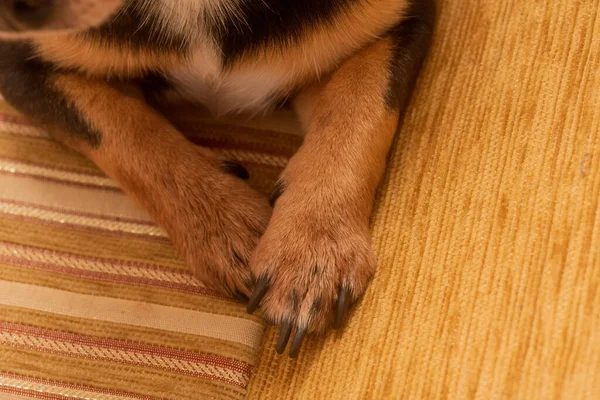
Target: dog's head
(30,18)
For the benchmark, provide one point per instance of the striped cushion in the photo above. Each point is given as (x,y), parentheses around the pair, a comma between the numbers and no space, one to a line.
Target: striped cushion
(94,302)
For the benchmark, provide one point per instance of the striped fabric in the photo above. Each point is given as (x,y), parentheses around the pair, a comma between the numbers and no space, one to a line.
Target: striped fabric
(94,303)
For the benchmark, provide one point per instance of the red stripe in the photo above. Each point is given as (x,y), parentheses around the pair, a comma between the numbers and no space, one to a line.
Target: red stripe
(204,358)
(71,386)
(212,360)
(106,276)
(33,393)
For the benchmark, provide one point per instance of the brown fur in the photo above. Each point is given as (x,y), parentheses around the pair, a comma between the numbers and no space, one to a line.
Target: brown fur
(312,57)
(214,218)
(348,125)
(101,61)
(350,77)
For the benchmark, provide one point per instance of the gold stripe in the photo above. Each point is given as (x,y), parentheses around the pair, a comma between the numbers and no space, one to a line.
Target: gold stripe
(131,312)
(113,376)
(43,152)
(21,130)
(72,199)
(137,293)
(119,354)
(89,244)
(85,222)
(10,396)
(110,330)
(51,260)
(48,389)
(20,168)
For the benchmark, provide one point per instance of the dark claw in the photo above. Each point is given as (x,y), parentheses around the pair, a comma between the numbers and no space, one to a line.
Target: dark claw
(284,336)
(262,285)
(297,343)
(236,169)
(342,308)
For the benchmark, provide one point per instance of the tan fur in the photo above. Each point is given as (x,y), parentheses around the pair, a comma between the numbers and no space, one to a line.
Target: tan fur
(101,61)
(318,51)
(349,76)
(329,188)
(323,47)
(214,219)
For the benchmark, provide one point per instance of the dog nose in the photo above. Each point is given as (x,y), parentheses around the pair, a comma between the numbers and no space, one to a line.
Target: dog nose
(32,13)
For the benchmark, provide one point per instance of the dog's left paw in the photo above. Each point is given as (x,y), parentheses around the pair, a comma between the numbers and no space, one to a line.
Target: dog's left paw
(312,263)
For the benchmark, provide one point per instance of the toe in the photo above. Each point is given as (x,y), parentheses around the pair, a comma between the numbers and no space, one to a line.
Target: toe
(297,342)
(284,337)
(262,286)
(342,308)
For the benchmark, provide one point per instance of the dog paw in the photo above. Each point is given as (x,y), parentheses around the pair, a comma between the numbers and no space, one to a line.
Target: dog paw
(216,226)
(312,263)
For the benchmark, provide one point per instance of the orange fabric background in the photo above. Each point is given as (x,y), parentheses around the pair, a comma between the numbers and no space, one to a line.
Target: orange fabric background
(487,228)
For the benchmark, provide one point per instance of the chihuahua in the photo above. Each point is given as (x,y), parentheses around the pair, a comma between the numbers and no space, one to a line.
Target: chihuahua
(91,71)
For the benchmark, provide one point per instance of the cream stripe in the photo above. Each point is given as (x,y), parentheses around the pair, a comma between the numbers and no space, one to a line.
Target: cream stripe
(131,312)
(10,396)
(15,167)
(70,198)
(128,356)
(44,388)
(20,129)
(25,254)
(83,221)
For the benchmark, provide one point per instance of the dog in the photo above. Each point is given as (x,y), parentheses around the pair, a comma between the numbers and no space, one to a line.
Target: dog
(347,67)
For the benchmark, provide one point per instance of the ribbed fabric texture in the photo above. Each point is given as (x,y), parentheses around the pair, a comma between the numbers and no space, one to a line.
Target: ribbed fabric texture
(94,301)
(487,227)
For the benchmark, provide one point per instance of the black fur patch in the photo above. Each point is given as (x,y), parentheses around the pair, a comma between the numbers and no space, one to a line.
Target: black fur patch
(135,26)
(411,42)
(24,82)
(235,169)
(154,86)
(256,23)
(277,192)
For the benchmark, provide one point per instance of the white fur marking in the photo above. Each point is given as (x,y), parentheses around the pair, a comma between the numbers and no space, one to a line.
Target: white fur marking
(202,80)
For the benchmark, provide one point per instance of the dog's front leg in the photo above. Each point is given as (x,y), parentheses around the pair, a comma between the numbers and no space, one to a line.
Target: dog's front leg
(315,257)
(213,218)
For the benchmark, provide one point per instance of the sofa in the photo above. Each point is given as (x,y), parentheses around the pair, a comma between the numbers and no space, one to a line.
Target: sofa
(486,230)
